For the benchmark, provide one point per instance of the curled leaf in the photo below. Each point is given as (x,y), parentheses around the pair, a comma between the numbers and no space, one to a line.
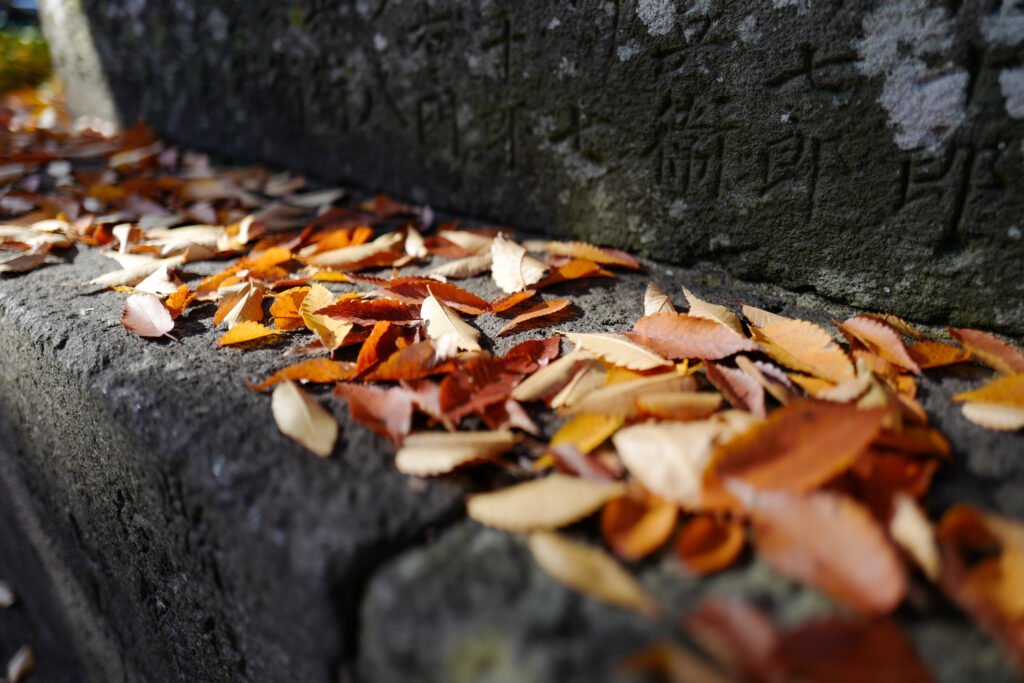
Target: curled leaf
(618,349)
(512,268)
(548,503)
(706,545)
(302,418)
(427,454)
(636,526)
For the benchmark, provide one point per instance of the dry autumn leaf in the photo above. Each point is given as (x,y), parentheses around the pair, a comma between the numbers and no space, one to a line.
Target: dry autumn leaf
(910,528)
(442,321)
(549,379)
(805,347)
(590,571)
(934,354)
(246,332)
(743,390)
(990,350)
(23,261)
(533,316)
(145,316)
(512,268)
(548,503)
(388,412)
(318,370)
(880,339)
(759,317)
(371,311)
(656,301)
(719,314)
(996,405)
(619,399)
(468,266)
(681,406)
(427,454)
(673,663)
(285,309)
(178,301)
(381,251)
(302,418)
(618,349)
(828,541)
(582,250)
(634,526)
(677,335)
(330,331)
(244,304)
(135,274)
(586,432)
(706,545)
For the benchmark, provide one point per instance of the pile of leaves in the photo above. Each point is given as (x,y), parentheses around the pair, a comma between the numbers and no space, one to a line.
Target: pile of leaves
(700,429)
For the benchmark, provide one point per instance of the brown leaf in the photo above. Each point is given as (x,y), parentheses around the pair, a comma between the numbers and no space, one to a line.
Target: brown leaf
(880,339)
(800,446)
(23,261)
(990,350)
(507,302)
(743,391)
(706,545)
(933,354)
(681,406)
(590,571)
(676,335)
(380,252)
(530,355)
(415,361)
(759,317)
(371,311)
(533,317)
(549,379)
(573,270)
(145,316)
(828,541)
(386,411)
(554,501)
(318,370)
(803,346)
(736,633)
(674,663)
(637,525)
(246,332)
(619,399)
(302,418)
(427,454)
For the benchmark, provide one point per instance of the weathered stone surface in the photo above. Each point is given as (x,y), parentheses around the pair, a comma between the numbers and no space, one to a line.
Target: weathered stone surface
(870,151)
(181,534)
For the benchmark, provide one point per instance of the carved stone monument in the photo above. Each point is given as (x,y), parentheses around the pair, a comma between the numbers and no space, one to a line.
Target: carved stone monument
(871,151)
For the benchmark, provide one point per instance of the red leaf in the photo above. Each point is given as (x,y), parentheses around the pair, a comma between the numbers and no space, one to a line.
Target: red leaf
(386,411)
(382,342)
(743,391)
(371,311)
(990,350)
(528,356)
(706,544)
(677,335)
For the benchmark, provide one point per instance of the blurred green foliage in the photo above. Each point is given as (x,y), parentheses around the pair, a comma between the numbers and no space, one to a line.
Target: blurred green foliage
(24,57)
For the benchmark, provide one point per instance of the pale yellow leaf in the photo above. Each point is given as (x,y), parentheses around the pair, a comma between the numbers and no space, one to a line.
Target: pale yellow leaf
(590,571)
(590,376)
(302,418)
(803,346)
(331,332)
(618,349)
(414,244)
(548,503)
(619,400)
(346,257)
(426,454)
(21,664)
(470,241)
(512,268)
(135,274)
(708,311)
(994,416)
(910,528)
(656,301)
(442,320)
(239,305)
(465,267)
(159,283)
(22,261)
(548,379)
(759,317)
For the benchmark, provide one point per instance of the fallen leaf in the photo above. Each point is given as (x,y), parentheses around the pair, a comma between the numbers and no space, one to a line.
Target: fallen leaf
(427,454)
(145,316)
(318,370)
(531,317)
(21,664)
(619,399)
(176,302)
(582,250)
(743,390)
(467,239)
(590,571)
(880,339)
(843,649)
(737,634)
(415,361)
(897,323)
(759,317)
(512,268)
(506,302)
(549,379)
(634,526)
(303,419)
(706,545)
(805,347)
(371,311)
(23,261)
(910,528)
(246,332)
(934,354)
(285,309)
(828,541)
(573,270)
(719,314)
(530,355)
(682,406)
(669,458)
(388,412)
(676,335)
(990,350)
(468,266)
(382,251)
(331,332)
(618,349)
(800,446)
(770,377)
(999,404)
(134,275)
(586,432)
(656,301)
(442,320)
(554,501)
(590,375)
(243,305)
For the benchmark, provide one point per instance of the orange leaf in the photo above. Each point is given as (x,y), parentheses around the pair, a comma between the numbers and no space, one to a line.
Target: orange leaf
(177,302)
(245,305)
(803,346)
(880,339)
(636,526)
(935,354)
(828,541)
(1007,390)
(414,289)
(386,411)
(319,370)
(573,270)
(531,318)
(382,342)
(589,252)
(415,361)
(371,311)
(846,650)
(677,335)
(800,446)
(682,406)
(706,545)
(246,332)
(509,301)
(285,309)
(990,350)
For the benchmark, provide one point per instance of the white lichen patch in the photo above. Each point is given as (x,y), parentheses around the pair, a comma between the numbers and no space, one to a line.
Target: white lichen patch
(625,52)
(1011,83)
(659,16)
(747,30)
(925,103)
